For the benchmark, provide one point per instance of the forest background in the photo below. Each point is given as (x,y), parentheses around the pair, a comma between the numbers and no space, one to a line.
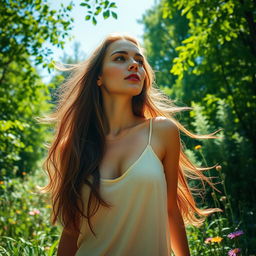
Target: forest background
(204,55)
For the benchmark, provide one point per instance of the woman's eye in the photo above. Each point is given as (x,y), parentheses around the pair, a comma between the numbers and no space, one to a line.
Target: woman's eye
(120,58)
(141,62)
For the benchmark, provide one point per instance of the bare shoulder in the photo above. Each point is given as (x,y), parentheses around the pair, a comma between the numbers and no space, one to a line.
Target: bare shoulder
(168,132)
(165,127)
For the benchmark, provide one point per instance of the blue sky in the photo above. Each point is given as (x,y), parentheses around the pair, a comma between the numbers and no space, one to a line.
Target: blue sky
(89,35)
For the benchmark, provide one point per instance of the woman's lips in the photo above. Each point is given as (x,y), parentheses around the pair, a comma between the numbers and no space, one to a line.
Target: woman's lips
(133,79)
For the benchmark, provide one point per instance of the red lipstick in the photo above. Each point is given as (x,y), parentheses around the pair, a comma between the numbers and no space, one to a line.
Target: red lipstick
(133,77)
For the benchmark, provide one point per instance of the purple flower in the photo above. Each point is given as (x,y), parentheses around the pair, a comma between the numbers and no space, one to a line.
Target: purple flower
(234,252)
(235,234)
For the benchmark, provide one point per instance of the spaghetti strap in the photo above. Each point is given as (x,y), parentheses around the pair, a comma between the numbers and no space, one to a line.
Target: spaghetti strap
(150,131)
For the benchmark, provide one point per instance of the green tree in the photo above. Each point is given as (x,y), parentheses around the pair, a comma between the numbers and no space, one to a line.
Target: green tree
(25,28)
(221,43)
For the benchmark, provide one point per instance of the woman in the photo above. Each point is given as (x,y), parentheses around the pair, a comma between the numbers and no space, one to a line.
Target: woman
(116,164)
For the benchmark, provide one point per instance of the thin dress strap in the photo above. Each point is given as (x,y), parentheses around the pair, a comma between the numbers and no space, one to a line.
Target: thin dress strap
(150,131)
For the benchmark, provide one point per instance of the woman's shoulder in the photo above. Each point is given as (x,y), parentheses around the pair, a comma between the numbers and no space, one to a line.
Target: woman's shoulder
(164,125)
(165,128)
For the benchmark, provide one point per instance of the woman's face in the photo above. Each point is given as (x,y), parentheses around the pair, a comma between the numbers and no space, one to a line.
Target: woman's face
(123,58)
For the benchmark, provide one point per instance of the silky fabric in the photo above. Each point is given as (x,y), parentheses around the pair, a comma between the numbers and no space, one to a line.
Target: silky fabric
(137,224)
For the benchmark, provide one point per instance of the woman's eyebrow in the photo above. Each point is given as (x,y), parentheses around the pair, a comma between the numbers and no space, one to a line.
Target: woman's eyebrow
(124,52)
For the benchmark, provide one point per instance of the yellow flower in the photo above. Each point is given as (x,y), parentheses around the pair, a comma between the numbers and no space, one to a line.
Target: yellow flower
(198,147)
(48,206)
(218,167)
(24,173)
(1,182)
(18,212)
(216,239)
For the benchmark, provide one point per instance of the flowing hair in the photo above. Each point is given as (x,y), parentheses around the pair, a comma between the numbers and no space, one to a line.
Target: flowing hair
(78,143)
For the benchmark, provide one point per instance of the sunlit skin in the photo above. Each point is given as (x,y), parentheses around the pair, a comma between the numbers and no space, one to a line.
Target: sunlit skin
(122,59)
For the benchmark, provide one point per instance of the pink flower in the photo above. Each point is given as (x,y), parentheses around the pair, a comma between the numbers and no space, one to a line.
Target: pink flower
(208,240)
(34,212)
(235,234)
(234,252)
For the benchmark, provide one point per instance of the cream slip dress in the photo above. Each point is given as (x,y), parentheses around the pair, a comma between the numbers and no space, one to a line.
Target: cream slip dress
(138,223)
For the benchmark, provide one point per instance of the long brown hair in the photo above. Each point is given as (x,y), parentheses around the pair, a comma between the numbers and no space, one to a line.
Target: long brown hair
(78,144)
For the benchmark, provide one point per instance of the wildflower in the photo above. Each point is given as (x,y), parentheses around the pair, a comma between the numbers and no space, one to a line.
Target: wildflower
(198,147)
(218,167)
(208,240)
(235,234)
(48,206)
(47,248)
(1,182)
(223,198)
(12,221)
(234,252)
(216,239)
(24,173)
(18,212)
(34,212)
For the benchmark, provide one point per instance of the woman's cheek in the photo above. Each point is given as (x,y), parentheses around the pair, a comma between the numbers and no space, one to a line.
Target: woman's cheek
(113,72)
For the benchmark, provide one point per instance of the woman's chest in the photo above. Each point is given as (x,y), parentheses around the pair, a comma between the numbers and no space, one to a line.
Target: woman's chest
(120,157)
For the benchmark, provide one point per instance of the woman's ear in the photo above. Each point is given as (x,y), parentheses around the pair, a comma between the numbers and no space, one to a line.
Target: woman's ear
(99,81)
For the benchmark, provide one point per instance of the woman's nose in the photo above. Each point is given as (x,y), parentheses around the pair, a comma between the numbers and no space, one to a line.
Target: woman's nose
(133,66)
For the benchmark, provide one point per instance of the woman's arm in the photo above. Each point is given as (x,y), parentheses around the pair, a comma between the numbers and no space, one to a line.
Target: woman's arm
(179,242)
(68,243)
(171,139)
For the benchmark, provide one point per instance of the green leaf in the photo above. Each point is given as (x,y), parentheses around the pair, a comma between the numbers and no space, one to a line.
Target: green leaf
(106,3)
(69,7)
(87,17)
(188,40)
(191,63)
(112,5)
(85,4)
(106,14)
(114,15)
(94,21)
(99,9)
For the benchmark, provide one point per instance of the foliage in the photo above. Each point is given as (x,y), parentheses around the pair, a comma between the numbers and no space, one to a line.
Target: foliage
(24,96)
(221,44)
(95,7)
(220,231)
(26,26)
(25,228)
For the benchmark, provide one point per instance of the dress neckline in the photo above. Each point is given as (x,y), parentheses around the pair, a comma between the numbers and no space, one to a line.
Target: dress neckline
(128,169)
